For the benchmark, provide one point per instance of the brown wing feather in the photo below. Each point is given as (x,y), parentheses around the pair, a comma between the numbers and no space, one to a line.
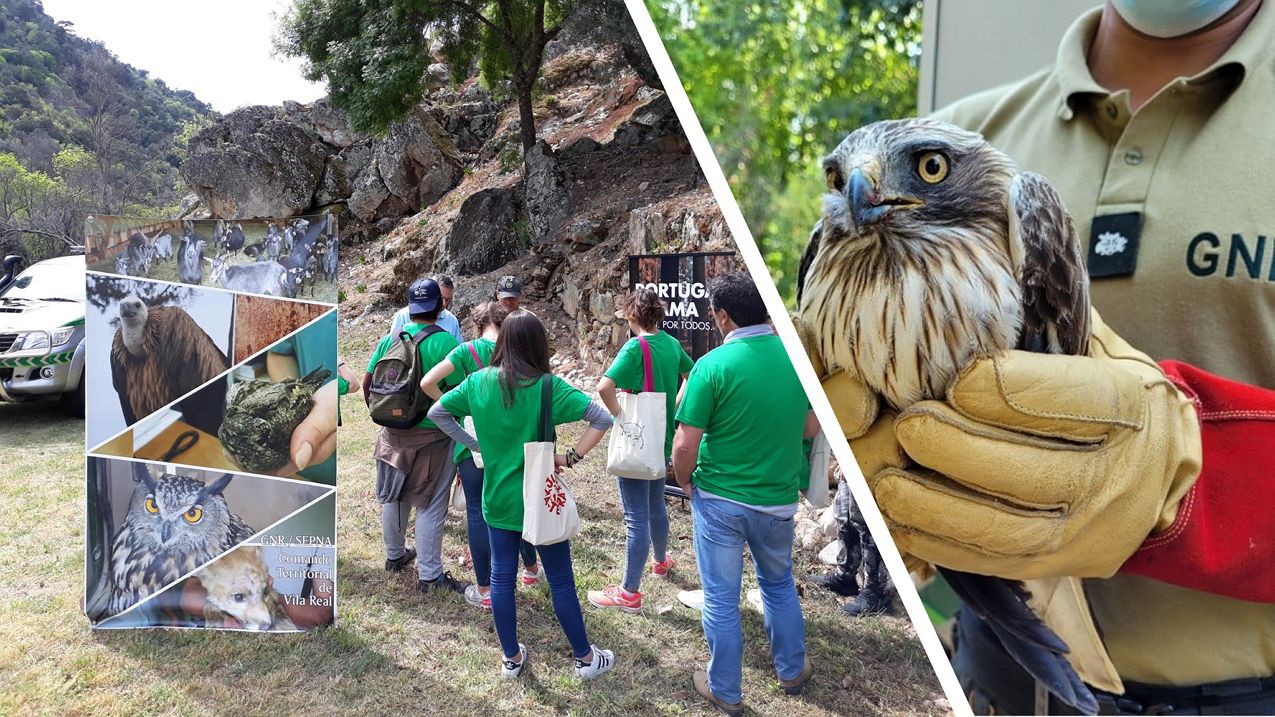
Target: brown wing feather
(194,358)
(1051,267)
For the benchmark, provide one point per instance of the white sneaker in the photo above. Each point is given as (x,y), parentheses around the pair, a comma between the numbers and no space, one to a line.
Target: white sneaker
(474,597)
(511,670)
(694,599)
(603,661)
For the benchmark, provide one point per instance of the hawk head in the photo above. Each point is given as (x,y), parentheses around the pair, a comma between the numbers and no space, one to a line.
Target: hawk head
(901,179)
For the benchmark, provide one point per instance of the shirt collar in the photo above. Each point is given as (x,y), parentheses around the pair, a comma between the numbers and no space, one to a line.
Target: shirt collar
(1071,67)
(747,332)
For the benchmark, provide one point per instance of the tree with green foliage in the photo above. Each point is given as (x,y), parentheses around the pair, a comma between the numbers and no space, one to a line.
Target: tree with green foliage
(81,132)
(778,84)
(42,214)
(374,54)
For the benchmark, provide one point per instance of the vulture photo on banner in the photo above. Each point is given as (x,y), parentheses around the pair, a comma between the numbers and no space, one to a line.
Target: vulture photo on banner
(159,355)
(934,249)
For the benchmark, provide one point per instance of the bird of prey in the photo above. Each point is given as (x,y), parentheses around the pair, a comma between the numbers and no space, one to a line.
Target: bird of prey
(158,355)
(174,524)
(934,249)
(261,416)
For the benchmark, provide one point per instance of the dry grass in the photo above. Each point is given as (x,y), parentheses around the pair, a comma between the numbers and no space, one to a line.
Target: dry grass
(394,650)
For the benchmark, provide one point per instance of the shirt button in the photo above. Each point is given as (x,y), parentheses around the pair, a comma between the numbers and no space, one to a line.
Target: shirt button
(1133,157)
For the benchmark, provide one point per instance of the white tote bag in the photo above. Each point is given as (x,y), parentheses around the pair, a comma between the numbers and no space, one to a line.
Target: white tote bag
(469,428)
(636,447)
(817,483)
(549,509)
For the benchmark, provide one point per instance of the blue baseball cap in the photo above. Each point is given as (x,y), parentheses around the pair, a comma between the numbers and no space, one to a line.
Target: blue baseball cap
(423,297)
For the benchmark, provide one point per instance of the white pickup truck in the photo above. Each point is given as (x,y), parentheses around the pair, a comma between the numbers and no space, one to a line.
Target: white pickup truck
(42,334)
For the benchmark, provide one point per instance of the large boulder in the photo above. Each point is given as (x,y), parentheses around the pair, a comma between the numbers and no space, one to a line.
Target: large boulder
(411,167)
(331,124)
(280,162)
(483,237)
(547,193)
(254,163)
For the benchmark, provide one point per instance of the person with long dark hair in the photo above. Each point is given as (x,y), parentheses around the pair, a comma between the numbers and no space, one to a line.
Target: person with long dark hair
(504,400)
(468,358)
(645,515)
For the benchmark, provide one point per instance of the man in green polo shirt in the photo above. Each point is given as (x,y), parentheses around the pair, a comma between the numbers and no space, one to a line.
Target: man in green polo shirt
(738,453)
(414,466)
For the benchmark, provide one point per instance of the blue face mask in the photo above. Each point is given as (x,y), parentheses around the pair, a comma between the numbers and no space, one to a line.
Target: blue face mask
(1171,18)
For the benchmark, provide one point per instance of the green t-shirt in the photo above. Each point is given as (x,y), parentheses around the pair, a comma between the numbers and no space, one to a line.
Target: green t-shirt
(746,396)
(463,360)
(503,429)
(433,349)
(668,361)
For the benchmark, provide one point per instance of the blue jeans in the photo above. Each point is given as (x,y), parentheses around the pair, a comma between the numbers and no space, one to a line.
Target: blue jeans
(722,530)
(646,518)
(562,587)
(471,482)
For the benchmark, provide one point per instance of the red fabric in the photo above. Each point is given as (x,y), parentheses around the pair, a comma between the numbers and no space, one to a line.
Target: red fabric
(1223,540)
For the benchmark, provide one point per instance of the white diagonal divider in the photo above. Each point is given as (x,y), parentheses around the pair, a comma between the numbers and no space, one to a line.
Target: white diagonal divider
(805,371)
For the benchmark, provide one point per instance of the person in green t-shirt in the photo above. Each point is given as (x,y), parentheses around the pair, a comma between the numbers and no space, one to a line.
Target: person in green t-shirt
(470,358)
(505,402)
(645,515)
(414,465)
(738,454)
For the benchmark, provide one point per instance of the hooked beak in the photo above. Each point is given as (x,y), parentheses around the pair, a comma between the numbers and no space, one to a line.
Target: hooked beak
(165,532)
(867,205)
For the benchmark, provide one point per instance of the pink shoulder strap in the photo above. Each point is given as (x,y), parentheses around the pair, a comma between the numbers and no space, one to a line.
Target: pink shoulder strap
(648,373)
(473,352)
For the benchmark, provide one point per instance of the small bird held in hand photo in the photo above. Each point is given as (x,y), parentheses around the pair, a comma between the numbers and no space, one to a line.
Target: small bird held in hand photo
(261,417)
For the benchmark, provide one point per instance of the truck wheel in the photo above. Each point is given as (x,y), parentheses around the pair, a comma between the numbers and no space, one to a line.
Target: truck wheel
(73,402)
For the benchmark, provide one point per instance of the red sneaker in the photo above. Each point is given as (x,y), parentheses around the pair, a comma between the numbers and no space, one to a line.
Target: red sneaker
(529,578)
(661,570)
(614,596)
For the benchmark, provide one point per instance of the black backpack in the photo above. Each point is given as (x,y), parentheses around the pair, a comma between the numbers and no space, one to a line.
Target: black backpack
(395,398)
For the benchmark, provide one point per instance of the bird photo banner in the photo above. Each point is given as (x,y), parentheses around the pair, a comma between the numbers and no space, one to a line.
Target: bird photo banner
(210,352)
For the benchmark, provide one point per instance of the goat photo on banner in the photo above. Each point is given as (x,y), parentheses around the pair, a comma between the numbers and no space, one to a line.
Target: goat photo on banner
(292,258)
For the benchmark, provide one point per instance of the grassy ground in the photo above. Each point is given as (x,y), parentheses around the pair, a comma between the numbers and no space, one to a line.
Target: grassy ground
(394,649)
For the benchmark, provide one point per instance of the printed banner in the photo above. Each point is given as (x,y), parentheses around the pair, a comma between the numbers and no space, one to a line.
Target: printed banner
(682,281)
(211,394)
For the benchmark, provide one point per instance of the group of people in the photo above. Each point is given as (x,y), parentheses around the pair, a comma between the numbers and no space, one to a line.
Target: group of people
(733,440)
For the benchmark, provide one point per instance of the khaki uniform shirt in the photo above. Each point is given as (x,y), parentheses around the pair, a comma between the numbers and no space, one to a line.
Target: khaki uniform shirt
(1198,162)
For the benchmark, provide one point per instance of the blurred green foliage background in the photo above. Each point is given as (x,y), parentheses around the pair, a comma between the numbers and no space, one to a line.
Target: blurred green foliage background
(777,84)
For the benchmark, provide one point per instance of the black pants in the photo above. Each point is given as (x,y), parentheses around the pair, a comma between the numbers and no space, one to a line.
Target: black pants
(995,684)
(861,550)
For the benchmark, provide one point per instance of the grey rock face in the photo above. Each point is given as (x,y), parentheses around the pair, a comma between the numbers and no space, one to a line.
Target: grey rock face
(484,235)
(412,166)
(255,164)
(331,124)
(548,196)
(280,162)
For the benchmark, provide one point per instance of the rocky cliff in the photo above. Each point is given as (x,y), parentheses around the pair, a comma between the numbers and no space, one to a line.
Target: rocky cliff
(447,190)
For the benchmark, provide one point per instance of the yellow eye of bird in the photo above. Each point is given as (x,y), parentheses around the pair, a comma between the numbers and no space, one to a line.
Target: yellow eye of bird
(150,505)
(835,181)
(194,514)
(932,167)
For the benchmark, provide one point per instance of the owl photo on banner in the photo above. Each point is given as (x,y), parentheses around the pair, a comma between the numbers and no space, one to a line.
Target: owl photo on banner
(174,524)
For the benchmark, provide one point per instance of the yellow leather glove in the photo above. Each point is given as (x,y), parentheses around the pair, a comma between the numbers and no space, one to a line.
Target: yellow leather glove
(1039,465)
